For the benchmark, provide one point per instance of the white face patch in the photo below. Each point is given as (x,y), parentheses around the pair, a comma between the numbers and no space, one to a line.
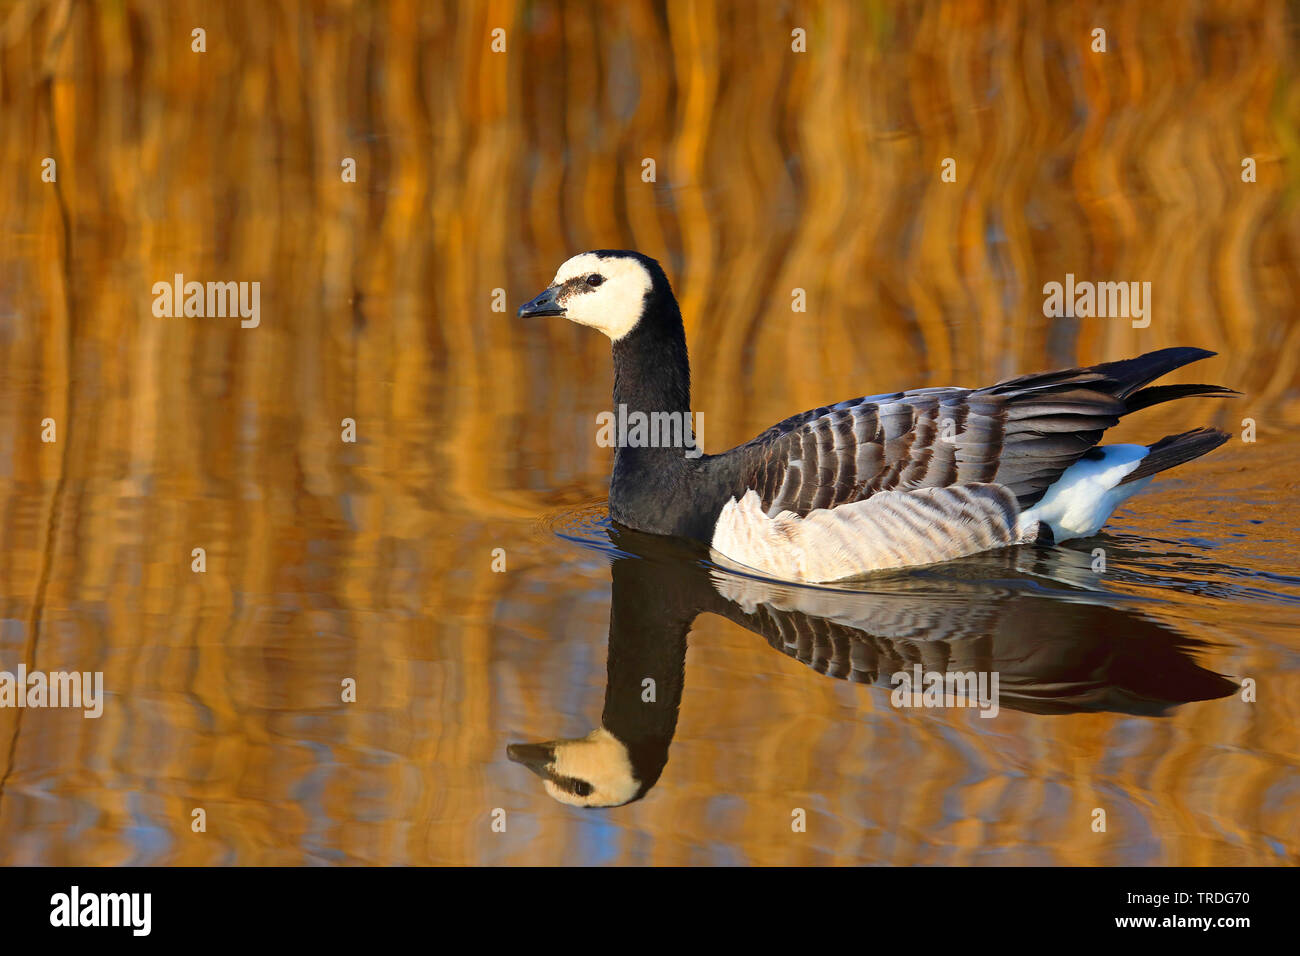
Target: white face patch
(599,759)
(614,306)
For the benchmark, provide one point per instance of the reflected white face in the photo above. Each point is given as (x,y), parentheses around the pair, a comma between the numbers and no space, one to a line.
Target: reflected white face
(599,760)
(606,294)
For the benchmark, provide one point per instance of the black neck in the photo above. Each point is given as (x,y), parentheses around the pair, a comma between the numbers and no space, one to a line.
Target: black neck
(663,489)
(652,374)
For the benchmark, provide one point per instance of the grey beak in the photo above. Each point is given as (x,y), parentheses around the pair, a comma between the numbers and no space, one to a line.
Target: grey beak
(544,304)
(536,757)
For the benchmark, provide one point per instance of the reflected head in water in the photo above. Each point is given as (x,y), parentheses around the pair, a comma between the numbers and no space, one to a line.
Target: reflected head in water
(1057,647)
(591,771)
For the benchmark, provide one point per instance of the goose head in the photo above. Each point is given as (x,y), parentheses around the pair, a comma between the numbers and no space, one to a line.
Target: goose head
(612,290)
(591,771)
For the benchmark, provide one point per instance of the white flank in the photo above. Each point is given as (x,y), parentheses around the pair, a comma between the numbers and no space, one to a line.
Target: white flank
(1081,500)
(891,529)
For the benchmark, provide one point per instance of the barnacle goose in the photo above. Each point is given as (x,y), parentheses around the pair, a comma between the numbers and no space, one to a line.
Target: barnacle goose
(894,480)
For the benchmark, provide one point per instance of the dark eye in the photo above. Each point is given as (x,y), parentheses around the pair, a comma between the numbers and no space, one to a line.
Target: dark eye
(594,280)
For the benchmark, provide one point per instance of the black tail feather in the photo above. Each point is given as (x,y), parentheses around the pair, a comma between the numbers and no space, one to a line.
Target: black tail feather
(1129,375)
(1176,449)
(1050,419)
(1118,379)
(1146,397)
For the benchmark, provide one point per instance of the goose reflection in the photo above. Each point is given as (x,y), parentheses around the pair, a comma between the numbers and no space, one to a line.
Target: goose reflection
(1053,651)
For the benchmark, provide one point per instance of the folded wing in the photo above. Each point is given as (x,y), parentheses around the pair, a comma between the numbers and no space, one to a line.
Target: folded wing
(1020,434)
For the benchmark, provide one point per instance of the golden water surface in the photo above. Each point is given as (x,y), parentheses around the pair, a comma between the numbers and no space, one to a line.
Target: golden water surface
(455,560)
